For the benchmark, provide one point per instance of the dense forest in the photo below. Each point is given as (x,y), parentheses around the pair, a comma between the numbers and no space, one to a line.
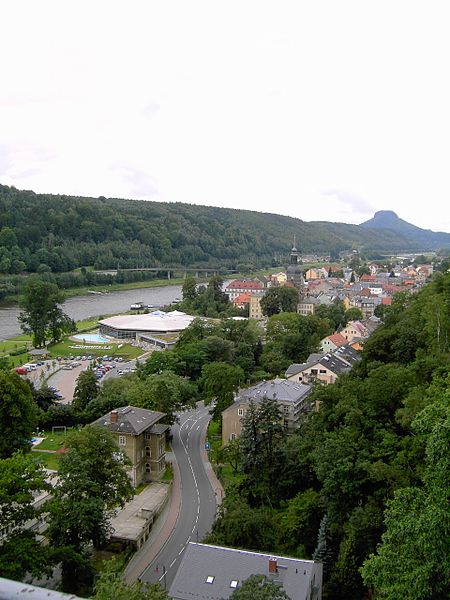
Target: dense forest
(51,233)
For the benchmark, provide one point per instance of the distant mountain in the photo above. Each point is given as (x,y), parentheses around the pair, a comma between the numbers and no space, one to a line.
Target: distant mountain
(57,233)
(387,220)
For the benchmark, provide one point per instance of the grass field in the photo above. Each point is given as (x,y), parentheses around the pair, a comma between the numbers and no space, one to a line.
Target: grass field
(52,441)
(47,460)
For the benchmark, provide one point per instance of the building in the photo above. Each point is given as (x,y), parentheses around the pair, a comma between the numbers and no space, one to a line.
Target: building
(331,342)
(291,398)
(326,368)
(142,438)
(354,330)
(307,306)
(214,572)
(255,310)
(294,272)
(239,286)
(242,301)
(152,324)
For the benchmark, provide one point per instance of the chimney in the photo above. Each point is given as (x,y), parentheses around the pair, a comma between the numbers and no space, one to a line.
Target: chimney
(273,565)
(114,416)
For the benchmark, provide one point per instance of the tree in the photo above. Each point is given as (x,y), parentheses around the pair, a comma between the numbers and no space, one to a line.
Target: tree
(353,314)
(111,584)
(92,481)
(165,392)
(17,414)
(189,289)
(412,562)
(279,299)
(261,436)
(42,315)
(219,382)
(259,587)
(20,553)
(86,389)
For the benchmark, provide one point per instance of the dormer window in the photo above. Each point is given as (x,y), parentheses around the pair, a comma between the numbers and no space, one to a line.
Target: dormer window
(210,579)
(234,583)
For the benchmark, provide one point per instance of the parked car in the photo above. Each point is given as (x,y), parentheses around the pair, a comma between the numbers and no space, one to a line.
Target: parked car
(21,371)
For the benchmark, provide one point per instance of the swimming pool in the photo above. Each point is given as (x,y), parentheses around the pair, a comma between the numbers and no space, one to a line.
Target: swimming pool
(91,337)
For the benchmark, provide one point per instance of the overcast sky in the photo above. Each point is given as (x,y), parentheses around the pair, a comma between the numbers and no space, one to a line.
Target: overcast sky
(318,110)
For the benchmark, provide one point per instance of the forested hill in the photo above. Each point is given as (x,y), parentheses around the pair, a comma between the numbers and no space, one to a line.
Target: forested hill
(65,232)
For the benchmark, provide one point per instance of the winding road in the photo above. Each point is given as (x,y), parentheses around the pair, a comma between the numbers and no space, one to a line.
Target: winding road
(198,501)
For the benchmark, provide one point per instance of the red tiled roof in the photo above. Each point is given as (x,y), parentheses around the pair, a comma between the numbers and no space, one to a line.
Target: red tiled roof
(337,339)
(386,301)
(365,277)
(243,298)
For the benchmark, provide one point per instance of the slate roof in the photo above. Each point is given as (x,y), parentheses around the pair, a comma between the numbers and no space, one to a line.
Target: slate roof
(279,389)
(131,419)
(225,565)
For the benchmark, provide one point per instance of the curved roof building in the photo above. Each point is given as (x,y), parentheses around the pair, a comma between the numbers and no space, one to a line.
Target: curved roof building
(156,322)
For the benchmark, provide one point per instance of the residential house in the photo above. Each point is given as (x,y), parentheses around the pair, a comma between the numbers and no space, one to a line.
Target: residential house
(331,342)
(326,368)
(278,278)
(291,399)
(242,301)
(354,330)
(307,305)
(239,286)
(215,572)
(141,436)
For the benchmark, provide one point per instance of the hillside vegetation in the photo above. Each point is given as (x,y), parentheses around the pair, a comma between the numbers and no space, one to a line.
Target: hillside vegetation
(363,484)
(42,232)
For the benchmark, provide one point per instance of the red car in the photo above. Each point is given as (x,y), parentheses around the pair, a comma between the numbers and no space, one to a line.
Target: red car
(21,371)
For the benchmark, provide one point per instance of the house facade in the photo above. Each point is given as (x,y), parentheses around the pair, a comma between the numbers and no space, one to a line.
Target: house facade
(291,399)
(238,286)
(140,435)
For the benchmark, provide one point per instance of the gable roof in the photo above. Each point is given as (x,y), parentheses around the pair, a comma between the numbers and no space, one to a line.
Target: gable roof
(337,339)
(224,565)
(131,419)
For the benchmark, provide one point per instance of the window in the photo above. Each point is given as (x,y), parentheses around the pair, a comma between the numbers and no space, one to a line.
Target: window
(148,451)
(148,436)
(240,412)
(147,467)
(210,579)
(122,440)
(233,436)
(323,371)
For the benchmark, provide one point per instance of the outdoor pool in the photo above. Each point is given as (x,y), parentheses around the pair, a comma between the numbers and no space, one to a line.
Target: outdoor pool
(95,338)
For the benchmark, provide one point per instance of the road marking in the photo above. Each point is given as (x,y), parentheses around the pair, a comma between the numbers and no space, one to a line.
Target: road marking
(181,551)
(172,563)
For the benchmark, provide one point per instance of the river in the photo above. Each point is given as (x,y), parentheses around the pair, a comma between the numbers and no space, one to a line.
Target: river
(94,305)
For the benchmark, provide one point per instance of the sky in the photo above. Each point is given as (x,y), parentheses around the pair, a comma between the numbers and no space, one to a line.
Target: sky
(324,110)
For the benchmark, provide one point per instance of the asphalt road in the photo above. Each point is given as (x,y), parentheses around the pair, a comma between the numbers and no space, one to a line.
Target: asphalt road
(198,503)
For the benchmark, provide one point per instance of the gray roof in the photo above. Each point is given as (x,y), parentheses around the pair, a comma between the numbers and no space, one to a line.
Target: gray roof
(224,565)
(279,389)
(339,361)
(130,419)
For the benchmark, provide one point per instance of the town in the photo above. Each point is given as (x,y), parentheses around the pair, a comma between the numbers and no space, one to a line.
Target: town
(161,441)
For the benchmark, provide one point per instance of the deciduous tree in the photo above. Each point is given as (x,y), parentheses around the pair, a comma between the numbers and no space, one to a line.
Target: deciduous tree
(17,414)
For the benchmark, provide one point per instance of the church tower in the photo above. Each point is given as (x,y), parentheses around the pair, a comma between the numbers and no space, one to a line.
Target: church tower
(294,273)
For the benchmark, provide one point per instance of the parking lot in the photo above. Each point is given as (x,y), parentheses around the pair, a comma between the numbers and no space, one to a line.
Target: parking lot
(62,375)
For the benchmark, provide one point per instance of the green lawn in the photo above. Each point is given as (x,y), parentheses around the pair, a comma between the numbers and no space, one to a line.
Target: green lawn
(52,441)
(49,461)
(63,348)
